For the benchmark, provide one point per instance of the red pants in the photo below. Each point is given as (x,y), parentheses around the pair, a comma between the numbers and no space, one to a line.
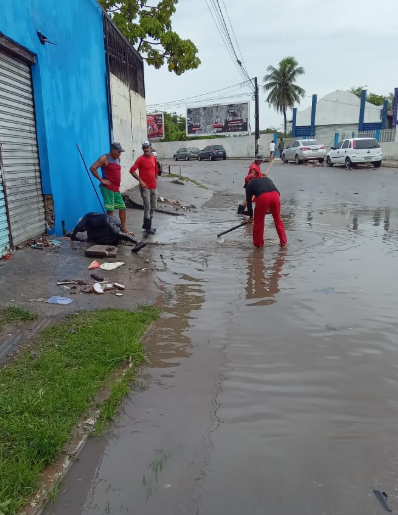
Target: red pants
(268,201)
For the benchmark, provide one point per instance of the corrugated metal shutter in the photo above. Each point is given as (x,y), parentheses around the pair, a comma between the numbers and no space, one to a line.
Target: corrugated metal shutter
(20,157)
(4,238)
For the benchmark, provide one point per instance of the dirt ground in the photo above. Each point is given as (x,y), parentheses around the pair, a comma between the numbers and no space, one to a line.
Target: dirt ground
(273,379)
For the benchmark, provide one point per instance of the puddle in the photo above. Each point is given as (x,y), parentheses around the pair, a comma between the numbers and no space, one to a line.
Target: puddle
(263,395)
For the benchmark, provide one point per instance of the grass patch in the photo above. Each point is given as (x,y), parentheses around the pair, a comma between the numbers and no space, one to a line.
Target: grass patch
(14,314)
(182,178)
(42,398)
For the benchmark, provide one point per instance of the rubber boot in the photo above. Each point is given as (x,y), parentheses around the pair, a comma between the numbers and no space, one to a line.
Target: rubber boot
(147,226)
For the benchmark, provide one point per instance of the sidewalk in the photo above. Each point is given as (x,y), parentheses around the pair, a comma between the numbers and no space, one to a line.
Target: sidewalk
(33,274)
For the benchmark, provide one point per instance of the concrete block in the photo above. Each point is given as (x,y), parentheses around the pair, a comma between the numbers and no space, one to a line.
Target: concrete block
(101,251)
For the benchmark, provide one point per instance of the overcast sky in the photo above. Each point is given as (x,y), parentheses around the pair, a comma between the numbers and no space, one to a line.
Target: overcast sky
(339,43)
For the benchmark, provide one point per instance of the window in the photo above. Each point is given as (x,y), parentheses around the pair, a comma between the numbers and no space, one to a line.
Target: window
(345,144)
(296,144)
(339,145)
(206,149)
(309,142)
(366,143)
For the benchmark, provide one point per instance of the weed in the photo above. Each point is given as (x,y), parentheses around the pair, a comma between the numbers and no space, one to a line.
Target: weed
(14,314)
(42,400)
(182,178)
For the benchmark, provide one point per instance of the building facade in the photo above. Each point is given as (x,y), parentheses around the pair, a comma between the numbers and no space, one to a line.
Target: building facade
(340,111)
(59,64)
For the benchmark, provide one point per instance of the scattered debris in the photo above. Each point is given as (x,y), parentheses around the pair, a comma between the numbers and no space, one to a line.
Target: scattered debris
(101,251)
(119,286)
(75,282)
(41,243)
(37,300)
(119,294)
(325,291)
(140,269)
(59,300)
(382,498)
(86,289)
(97,277)
(299,238)
(6,256)
(177,181)
(93,265)
(98,288)
(108,286)
(331,327)
(111,266)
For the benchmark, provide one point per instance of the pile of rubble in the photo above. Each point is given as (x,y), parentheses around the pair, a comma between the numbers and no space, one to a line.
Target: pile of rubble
(100,286)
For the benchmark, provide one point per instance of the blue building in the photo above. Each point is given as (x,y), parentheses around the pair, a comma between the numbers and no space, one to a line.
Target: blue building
(53,96)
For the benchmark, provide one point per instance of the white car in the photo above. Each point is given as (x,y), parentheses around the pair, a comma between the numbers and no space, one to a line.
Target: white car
(350,152)
(301,150)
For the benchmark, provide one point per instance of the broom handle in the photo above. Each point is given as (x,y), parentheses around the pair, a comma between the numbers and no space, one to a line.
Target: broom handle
(89,176)
(232,229)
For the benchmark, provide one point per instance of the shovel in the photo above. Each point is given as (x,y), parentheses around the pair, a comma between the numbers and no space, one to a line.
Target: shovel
(229,230)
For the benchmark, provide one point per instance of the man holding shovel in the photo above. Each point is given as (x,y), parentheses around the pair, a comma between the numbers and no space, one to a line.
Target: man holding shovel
(267,198)
(110,182)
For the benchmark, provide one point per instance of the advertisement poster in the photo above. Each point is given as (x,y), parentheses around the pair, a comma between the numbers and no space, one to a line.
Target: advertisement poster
(218,119)
(155,125)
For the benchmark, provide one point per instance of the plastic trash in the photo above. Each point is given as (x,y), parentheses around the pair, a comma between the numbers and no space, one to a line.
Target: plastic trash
(111,266)
(382,498)
(59,300)
(93,265)
(98,288)
(97,277)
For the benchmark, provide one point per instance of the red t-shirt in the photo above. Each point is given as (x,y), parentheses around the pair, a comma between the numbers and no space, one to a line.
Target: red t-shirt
(147,169)
(255,170)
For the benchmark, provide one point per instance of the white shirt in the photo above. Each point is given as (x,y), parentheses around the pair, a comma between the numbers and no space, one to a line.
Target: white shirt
(272,147)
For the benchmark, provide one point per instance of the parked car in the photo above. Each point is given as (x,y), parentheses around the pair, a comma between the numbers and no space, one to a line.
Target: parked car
(301,150)
(187,153)
(350,152)
(213,152)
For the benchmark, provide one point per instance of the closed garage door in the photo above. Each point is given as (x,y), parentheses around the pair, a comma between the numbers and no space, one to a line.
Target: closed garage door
(19,153)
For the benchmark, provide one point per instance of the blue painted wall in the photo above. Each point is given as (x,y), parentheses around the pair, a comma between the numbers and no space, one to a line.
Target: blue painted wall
(70,94)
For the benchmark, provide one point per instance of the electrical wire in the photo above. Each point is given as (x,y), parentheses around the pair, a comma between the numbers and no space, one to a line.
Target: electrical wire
(202,101)
(171,102)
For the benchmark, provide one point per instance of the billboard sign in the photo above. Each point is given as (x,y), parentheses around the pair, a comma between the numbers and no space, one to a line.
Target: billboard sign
(218,119)
(155,125)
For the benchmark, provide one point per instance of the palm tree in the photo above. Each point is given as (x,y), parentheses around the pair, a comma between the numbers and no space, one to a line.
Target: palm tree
(283,93)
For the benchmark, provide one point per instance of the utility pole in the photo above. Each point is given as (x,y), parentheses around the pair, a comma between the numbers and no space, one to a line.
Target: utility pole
(256,117)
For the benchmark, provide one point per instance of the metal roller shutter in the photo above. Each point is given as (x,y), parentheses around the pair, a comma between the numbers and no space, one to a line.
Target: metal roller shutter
(20,157)
(4,238)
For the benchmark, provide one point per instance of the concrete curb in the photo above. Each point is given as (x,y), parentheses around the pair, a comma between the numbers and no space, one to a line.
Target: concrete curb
(54,473)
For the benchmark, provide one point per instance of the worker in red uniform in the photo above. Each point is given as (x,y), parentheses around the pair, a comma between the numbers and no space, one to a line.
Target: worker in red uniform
(254,171)
(147,167)
(267,198)
(110,182)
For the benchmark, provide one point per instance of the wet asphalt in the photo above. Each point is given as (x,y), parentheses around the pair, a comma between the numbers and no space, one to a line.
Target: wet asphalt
(273,380)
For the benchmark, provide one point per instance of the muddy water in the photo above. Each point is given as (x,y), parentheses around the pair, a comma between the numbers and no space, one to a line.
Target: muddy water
(273,379)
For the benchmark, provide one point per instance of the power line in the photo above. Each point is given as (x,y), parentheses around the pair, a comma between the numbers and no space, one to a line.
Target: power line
(241,84)
(225,36)
(205,101)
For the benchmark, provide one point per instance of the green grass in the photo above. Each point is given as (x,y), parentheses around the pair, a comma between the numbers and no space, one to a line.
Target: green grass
(182,178)
(42,398)
(14,314)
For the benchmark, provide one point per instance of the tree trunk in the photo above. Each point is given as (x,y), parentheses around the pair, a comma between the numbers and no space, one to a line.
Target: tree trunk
(284,119)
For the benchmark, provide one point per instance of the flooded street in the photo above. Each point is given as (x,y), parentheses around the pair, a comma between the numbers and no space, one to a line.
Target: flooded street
(273,380)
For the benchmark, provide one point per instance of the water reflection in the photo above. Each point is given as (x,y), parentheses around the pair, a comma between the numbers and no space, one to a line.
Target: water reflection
(263,277)
(172,340)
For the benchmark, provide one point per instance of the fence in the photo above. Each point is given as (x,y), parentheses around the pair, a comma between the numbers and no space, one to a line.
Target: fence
(383,136)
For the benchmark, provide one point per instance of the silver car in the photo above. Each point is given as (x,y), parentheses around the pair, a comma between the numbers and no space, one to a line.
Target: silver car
(301,150)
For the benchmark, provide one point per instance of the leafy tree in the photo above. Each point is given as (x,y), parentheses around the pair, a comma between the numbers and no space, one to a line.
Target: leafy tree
(373,98)
(149,29)
(174,127)
(280,85)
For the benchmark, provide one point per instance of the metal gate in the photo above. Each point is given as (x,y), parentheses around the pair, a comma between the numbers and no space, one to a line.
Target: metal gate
(19,153)
(4,234)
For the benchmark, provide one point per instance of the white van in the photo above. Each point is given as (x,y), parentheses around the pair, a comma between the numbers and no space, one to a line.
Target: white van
(350,152)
